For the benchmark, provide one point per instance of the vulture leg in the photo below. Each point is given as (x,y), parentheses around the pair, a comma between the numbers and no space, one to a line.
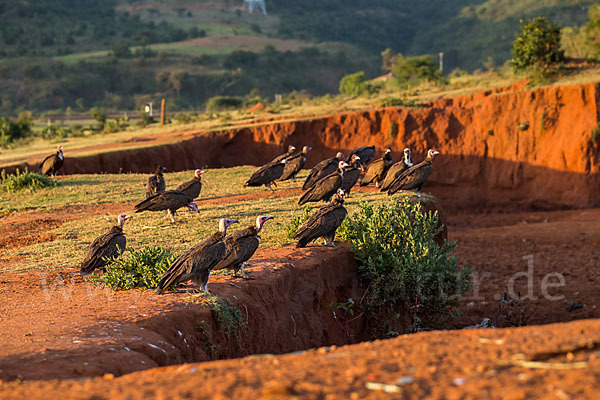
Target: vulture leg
(377,184)
(171,214)
(243,273)
(269,186)
(294,178)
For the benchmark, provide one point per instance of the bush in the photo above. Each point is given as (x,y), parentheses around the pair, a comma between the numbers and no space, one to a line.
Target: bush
(414,70)
(99,115)
(228,316)
(138,269)
(402,266)
(10,131)
(53,131)
(24,180)
(298,220)
(356,85)
(537,46)
(220,103)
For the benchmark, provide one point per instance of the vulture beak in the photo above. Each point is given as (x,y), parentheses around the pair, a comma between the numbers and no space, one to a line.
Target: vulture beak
(194,207)
(435,152)
(60,148)
(164,169)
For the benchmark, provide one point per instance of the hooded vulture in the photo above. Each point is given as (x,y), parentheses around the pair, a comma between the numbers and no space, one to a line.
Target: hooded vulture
(325,187)
(171,200)
(296,162)
(323,223)
(351,174)
(156,183)
(267,174)
(377,169)
(414,177)
(53,162)
(366,154)
(321,170)
(396,169)
(241,245)
(109,245)
(197,262)
(291,150)
(193,186)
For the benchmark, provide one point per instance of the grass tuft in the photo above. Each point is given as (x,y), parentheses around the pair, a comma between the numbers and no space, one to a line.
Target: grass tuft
(11,183)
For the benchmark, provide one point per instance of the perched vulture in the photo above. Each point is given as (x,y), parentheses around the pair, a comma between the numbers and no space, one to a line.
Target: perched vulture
(321,170)
(197,262)
(193,186)
(396,169)
(53,162)
(171,200)
(241,245)
(156,183)
(351,174)
(325,187)
(284,156)
(414,177)
(377,169)
(296,162)
(323,223)
(111,244)
(267,174)
(366,154)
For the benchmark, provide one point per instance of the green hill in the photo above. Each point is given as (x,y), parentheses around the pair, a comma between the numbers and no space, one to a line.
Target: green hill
(118,54)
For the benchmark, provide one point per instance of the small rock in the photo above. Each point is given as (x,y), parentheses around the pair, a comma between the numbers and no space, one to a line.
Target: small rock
(459,381)
(575,305)
(405,380)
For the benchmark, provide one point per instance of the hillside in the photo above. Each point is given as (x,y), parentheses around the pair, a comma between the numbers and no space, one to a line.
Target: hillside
(118,54)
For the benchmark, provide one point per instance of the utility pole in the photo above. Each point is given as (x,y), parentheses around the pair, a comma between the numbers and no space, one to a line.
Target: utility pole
(441,61)
(162,111)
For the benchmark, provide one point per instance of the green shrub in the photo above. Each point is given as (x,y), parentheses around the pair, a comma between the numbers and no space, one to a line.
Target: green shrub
(144,120)
(138,269)
(410,71)
(10,131)
(596,133)
(53,131)
(298,220)
(402,266)
(219,103)
(99,115)
(538,45)
(24,180)
(356,84)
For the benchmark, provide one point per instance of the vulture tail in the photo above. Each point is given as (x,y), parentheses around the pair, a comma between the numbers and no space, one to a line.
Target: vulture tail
(169,278)
(303,242)
(88,268)
(304,198)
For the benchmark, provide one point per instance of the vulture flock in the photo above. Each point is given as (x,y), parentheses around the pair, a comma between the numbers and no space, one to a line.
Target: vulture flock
(330,180)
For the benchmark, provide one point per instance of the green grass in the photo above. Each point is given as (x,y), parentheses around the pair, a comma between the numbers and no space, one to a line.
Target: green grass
(148,228)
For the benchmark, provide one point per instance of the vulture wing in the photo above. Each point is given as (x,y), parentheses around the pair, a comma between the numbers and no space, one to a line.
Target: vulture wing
(48,164)
(350,178)
(241,245)
(110,244)
(322,222)
(323,189)
(191,188)
(412,178)
(393,172)
(169,200)
(295,165)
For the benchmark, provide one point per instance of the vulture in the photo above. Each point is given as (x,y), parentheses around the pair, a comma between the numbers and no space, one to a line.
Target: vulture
(267,174)
(377,169)
(323,223)
(197,262)
(111,244)
(296,162)
(321,170)
(291,150)
(193,186)
(53,162)
(396,169)
(366,154)
(325,187)
(156,183)
(414,177)
(171,200)
(241,245)
(351,174)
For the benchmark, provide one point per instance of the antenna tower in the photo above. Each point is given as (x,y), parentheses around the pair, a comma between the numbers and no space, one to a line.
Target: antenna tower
(251,4)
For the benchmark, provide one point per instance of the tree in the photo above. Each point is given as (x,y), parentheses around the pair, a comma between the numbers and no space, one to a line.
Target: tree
(413,70)
(356,84)
(121,48)
(538,45)
(99,115)
(591,30)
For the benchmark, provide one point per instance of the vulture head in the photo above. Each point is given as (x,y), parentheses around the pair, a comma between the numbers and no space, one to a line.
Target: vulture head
(407,159)
(388,151)
(291,148)
(224,224)
(341,193)
(160,169)
(431,153)
(59,149)
(339,155)
(193,206)
(198,172)
(260,220)
(306,149)
(355,159)
(122,218)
